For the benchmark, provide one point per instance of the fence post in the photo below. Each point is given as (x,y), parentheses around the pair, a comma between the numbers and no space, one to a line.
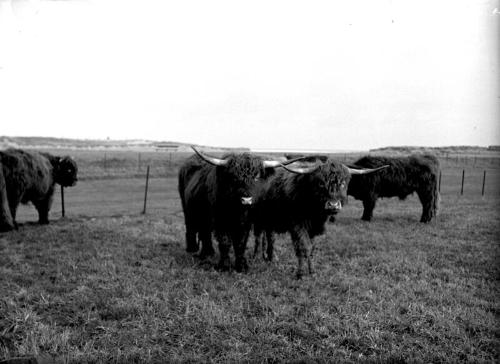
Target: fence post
(139,162)
(105,162)
(439,185)
(463,177)
(62,201)
(484,180)
(146,191)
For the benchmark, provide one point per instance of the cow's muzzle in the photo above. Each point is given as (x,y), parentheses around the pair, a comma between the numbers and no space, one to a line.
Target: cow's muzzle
(333,206)
(246,201)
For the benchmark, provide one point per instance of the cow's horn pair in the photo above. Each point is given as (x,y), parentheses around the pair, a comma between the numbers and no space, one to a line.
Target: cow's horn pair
(223,162)
(306,170)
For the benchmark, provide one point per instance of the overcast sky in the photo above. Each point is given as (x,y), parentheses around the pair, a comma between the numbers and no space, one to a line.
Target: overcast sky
(260,74)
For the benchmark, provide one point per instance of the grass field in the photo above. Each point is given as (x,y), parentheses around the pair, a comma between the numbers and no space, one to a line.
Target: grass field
(108,284)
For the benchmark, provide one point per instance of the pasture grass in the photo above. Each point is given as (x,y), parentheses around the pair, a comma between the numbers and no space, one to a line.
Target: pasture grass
(121,288)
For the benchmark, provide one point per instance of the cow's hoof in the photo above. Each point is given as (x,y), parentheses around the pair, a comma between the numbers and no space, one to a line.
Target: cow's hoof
(192,248)
(241,266)
(223,266)
(5,228)
(43,222)
(300,274)
(204,254)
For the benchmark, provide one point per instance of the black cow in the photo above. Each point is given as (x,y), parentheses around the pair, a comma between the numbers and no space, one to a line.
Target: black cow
(31,177)
(406,175)
(216,196)
(300,201)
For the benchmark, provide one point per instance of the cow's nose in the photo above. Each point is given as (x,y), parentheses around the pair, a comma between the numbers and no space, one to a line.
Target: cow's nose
(246,200)
(337,205)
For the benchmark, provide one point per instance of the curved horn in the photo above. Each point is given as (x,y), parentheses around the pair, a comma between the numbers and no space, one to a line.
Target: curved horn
(364,171)
(303,170)
(211,160)
(271,164)
(274,164)
(299,159)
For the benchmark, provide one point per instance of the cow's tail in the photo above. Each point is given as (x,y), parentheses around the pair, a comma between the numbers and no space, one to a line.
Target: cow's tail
(6,221)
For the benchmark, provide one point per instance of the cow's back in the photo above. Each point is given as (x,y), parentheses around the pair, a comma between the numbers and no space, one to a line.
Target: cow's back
(28,175)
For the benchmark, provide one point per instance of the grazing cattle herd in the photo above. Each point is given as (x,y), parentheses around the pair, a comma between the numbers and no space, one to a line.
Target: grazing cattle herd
(227,197)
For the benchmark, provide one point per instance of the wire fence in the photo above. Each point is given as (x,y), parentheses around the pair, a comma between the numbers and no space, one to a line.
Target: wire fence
(107,164)
(118,183)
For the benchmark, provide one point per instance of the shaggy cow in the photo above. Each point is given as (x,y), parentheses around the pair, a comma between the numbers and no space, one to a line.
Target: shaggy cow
(216,196)
(416,173)
(31,177)
(299,201)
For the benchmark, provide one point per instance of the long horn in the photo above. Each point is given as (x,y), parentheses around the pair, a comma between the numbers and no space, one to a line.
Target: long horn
(303,170)
(209,159)
(274,164)
(271,164)
(364,171)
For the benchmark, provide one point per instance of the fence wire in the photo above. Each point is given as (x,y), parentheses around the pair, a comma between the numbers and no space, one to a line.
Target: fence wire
(113,183)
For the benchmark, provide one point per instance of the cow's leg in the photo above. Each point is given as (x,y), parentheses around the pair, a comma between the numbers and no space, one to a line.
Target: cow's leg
(43,208)
(207,249)
(310,264)
(224,247)
(240,244)
(6,222)
(191,243)
(428,211)
(258,247)
(368,206)
(191,231)
(303,250)
(13,203)
(270,246)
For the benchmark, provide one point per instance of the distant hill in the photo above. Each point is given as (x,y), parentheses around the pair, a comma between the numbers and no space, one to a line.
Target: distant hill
(137,144)
(454,150)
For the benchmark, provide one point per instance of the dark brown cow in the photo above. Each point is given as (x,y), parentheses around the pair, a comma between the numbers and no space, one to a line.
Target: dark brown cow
(216,196)
(300,201)
(406,175)
(31,177)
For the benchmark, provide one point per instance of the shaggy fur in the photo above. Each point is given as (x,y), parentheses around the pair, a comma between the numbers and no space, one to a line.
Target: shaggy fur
(211,200)
(31,177)
(299,204)
(406,175)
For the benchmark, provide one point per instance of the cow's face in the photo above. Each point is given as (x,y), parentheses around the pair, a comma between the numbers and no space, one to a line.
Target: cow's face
(333,181)
(66,172)
(241,177)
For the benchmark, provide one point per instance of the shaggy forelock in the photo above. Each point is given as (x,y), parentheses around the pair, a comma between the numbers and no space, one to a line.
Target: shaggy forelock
(244,166)
(334,172)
